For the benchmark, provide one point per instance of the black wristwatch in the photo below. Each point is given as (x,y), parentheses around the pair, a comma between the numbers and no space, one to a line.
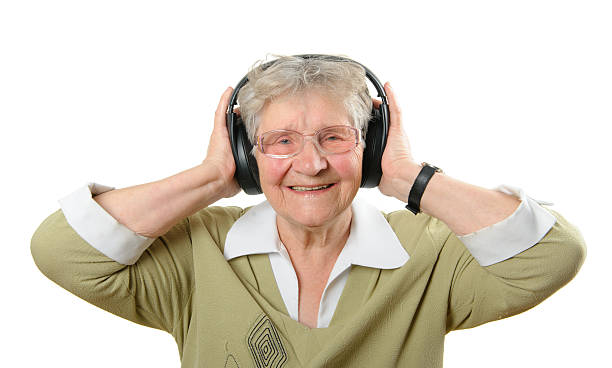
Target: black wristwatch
(416,192)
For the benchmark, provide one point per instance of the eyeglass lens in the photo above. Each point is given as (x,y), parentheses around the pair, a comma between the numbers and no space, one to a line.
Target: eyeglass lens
(336,139)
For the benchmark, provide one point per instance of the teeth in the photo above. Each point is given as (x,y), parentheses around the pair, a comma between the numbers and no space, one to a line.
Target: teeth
(303,189)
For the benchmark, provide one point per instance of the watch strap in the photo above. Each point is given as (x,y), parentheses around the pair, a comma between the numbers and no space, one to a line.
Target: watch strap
(419,185)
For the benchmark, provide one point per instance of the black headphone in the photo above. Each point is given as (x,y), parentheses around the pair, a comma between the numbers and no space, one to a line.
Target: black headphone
(247,173)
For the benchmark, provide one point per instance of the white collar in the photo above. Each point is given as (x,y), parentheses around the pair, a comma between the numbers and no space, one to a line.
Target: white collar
(371,243)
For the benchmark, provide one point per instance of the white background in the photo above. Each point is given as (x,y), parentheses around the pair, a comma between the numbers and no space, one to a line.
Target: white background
(123,92)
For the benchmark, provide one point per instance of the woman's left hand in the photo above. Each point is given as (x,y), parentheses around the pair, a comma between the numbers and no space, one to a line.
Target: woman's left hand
(397,162)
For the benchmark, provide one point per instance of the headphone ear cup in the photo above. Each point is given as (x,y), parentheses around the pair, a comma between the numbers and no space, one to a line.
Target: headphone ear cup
(376,140)
(247,172)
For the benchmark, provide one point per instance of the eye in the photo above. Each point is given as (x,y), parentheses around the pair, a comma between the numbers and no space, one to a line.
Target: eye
(283,140)
(332,137)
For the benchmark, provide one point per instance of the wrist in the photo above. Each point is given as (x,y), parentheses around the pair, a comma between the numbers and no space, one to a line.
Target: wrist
(403,181)
(419,186)
(207,184)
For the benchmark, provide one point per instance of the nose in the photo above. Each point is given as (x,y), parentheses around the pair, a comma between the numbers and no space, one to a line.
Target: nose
(310,161)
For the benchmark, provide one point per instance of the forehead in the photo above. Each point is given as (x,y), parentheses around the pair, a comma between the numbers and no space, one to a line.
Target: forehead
(305,111)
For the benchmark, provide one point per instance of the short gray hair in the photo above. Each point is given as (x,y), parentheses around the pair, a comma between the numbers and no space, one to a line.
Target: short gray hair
(290,75)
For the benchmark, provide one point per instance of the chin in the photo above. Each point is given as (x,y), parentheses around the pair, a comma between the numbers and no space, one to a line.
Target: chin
(312,209)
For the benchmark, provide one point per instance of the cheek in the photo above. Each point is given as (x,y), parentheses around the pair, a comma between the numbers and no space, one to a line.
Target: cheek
(349,167)
(272,172)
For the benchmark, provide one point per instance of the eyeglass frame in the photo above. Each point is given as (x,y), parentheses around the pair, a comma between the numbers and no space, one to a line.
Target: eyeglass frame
(310,137)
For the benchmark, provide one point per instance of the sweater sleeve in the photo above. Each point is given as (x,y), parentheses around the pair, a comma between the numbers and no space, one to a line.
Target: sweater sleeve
(479,294)
(153,291)
(516,233)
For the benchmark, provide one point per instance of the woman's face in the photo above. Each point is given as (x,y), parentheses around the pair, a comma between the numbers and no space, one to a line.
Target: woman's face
(307,113)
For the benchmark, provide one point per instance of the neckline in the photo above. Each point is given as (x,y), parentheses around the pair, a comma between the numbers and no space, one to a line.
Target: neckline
(348,306)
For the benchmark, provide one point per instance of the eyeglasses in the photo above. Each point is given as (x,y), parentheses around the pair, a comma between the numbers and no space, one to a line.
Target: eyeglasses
(288,143)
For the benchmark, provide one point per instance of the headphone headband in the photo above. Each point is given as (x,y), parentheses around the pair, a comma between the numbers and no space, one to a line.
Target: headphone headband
(371,77)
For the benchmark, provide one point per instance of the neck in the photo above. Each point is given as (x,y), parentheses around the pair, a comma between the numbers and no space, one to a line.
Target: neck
(315,244)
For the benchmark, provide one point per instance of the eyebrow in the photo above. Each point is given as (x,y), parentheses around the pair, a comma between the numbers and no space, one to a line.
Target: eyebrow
(294,127)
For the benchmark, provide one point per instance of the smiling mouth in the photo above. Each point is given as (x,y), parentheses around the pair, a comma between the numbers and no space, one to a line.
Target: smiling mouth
(309,189)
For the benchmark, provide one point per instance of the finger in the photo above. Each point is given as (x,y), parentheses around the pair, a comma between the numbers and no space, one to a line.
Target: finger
(376,103)
(394,109)
(222,108)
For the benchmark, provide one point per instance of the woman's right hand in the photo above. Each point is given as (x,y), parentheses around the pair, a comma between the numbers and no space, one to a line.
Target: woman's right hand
(219,155)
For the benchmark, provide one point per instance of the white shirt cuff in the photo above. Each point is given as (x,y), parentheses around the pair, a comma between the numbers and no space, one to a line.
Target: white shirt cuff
(98,228)
(520,231)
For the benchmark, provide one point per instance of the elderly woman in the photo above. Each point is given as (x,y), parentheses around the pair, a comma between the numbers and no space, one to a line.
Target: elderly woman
(310,277)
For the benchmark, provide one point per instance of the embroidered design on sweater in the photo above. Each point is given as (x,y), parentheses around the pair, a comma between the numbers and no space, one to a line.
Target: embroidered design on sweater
(231,362)
(265,345)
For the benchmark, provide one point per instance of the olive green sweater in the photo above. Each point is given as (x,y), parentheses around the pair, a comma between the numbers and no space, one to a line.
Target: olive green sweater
(231,314)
